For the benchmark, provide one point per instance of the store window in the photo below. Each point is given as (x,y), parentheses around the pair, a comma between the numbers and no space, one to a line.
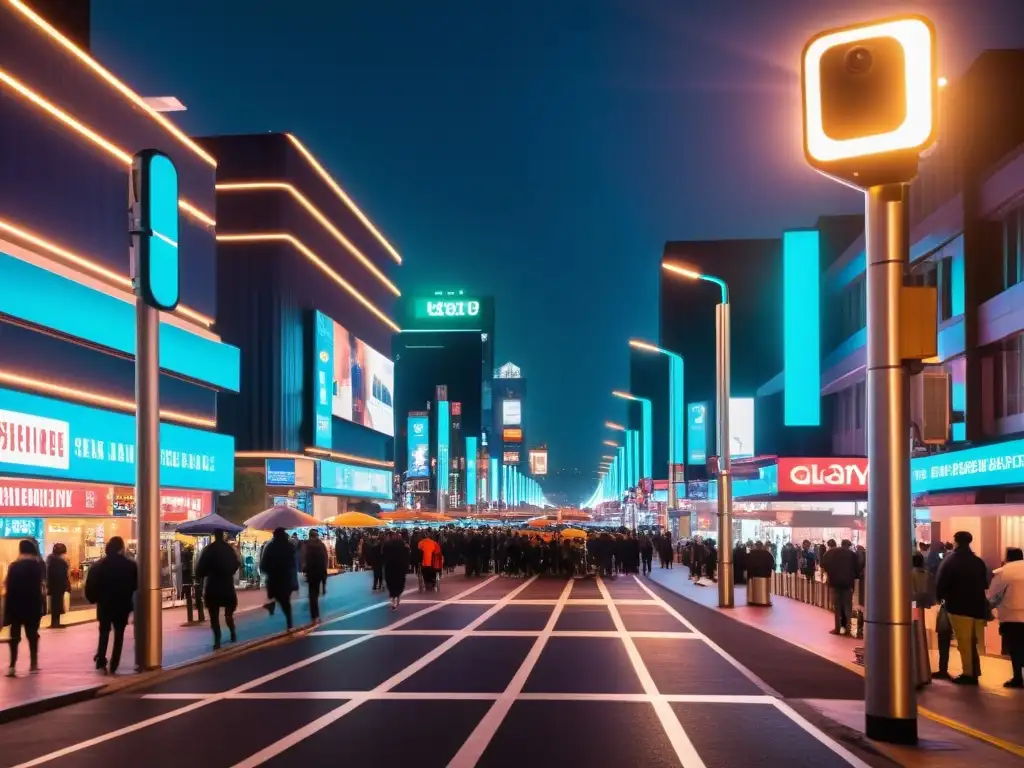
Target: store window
(1008,372)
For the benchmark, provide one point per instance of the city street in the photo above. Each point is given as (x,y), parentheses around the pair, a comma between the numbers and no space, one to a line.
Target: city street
(493,672)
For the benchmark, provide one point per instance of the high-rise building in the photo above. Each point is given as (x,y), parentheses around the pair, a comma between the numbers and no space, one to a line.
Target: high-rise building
(306,289)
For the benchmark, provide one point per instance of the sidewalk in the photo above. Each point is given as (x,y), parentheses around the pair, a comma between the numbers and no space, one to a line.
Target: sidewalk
(989,712)
(66,655)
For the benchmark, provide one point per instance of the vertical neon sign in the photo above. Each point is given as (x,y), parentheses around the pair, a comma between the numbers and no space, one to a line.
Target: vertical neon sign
(801,267)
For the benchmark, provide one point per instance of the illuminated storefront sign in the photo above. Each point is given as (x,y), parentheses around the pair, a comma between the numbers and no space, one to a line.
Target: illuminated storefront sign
(280,471)
(350,480)
(823,475)
(432,309)
(51,438)
(176,506)
(510,457)
(21,528)
(696,433)
(986,465)
(323,379)
(538,462)
(39,497)
(512,435)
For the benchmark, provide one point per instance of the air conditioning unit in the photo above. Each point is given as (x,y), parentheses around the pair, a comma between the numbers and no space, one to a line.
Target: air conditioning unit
(929,406)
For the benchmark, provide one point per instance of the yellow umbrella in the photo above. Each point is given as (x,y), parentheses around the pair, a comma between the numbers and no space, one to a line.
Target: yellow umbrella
(574,533)
(540,522)
(408,515)
(354,520)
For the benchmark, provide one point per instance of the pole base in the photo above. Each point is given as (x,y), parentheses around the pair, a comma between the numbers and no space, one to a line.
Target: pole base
(892,730)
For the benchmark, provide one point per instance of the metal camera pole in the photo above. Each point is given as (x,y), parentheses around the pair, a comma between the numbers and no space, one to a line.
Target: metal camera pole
(889,694)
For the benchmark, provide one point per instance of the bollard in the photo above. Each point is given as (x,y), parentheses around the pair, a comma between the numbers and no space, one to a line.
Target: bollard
(188,603)
(759,591)
(922,661)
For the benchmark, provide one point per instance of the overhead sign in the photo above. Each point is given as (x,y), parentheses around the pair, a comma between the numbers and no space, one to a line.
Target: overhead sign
(351,480)
(827,475)
(43,497)
(697,433)
(418,440)
(511,413)
(983,466)
(53,438)
(437,309)
(538,462)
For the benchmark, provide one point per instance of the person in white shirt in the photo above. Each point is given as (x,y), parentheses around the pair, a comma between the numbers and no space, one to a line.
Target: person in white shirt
(1007,594)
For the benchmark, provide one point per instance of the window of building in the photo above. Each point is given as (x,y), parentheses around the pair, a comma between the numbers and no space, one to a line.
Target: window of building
(945,285)
(859,404)
(1013,268)
(1008,371)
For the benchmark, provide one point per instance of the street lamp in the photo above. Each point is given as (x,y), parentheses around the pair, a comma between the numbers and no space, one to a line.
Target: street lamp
(611,443)
(613,425)
(646,425)
(869,108)
(722,387)
(677,407)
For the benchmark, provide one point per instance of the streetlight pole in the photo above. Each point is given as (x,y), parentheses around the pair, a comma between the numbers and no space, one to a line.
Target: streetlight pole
(722,393)
(676,409)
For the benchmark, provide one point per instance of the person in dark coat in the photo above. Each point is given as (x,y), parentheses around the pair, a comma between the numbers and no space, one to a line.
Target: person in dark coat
(760,563)
(218,565)
(840,566)
(646,554)
(278,563)
(666,554)
(57,582)
(961,584)
(316,572)
(395,556)
(23,603)
(739,563)
(375,560)
(111,586)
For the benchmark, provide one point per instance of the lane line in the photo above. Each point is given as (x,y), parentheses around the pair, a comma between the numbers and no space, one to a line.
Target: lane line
(820,735)
(473,748)
(310,729)
(694,698)
(674,730)
(712,644)
(102,738)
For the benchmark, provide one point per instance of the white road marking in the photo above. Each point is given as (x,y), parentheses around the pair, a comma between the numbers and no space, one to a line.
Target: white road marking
(681,743)
(818,734)
(473,748)
(695,698)
(293,738)
(73,748)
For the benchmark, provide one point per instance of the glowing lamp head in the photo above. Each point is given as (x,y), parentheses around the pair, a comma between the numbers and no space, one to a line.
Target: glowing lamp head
(869,97)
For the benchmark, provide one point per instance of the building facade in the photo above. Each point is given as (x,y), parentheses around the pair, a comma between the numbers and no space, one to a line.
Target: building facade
(69,128)
(306,291)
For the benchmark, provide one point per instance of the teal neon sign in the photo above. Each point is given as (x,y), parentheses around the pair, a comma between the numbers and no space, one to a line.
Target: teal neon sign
(801,268)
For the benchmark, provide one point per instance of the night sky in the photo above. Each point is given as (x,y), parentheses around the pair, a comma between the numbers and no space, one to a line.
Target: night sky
(541,151)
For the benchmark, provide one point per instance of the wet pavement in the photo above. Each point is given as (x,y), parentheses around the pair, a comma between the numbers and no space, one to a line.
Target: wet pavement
(490,672)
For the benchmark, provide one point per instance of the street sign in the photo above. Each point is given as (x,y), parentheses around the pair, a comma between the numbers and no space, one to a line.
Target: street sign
(154,230)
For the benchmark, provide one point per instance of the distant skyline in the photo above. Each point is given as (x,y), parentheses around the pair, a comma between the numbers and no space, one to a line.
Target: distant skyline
(539,152)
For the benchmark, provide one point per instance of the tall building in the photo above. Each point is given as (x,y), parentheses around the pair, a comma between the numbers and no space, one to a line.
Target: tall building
(69,128)
(447,339)
(306,290)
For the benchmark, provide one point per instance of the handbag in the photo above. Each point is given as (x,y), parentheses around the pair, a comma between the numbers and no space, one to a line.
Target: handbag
(943,625)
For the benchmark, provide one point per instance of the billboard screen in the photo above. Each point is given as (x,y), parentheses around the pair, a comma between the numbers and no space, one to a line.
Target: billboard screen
(419,447)
(741,427)
(511,413)
(512,435)
(361,382)
(696,433)
(510,457)
(538,463)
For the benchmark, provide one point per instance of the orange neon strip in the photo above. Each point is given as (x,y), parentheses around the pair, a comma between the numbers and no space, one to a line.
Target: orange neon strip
(344,197)
(85,131)
(106,75)
(257,237)
(93,398)
(315,212)
(97,269)
(350,457)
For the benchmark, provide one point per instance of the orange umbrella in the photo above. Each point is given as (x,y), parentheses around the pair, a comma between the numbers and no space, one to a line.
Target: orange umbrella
(540,522)
(411,515)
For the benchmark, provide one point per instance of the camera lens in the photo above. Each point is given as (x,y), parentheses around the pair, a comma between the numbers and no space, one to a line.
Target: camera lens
(858,60)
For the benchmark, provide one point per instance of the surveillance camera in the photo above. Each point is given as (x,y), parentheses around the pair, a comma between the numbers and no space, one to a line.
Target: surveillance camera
(869,99)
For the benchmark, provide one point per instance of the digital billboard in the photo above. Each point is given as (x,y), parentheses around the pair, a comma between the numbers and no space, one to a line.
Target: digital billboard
(512,434)
(511,413)
(351,480)
(741,427)
(982,466)
(510,457)
(538,462)
(445,308)
(419,446)
(697,433)
(361,381)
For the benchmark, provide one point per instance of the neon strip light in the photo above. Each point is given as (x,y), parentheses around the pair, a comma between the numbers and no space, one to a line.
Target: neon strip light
(349,457)
(97,269)
(106,75)
(85,131)
(315,212)
(342,196)
(801,338)
(257,237)
(94,398)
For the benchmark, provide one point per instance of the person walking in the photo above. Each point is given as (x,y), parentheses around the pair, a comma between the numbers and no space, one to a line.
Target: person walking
(1007,592)
(278,563)
(428,549)
(23,604)
(840,566)
(111,586)
(375,559)
(57,582)
(395,556)
(316,573)
(962,580)
(217,567)
(646,554)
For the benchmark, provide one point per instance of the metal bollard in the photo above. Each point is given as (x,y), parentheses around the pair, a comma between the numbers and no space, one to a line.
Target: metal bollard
(922,661)
(188,603)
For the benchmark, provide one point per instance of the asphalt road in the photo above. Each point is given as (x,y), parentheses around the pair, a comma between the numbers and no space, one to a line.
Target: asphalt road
(489,672)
